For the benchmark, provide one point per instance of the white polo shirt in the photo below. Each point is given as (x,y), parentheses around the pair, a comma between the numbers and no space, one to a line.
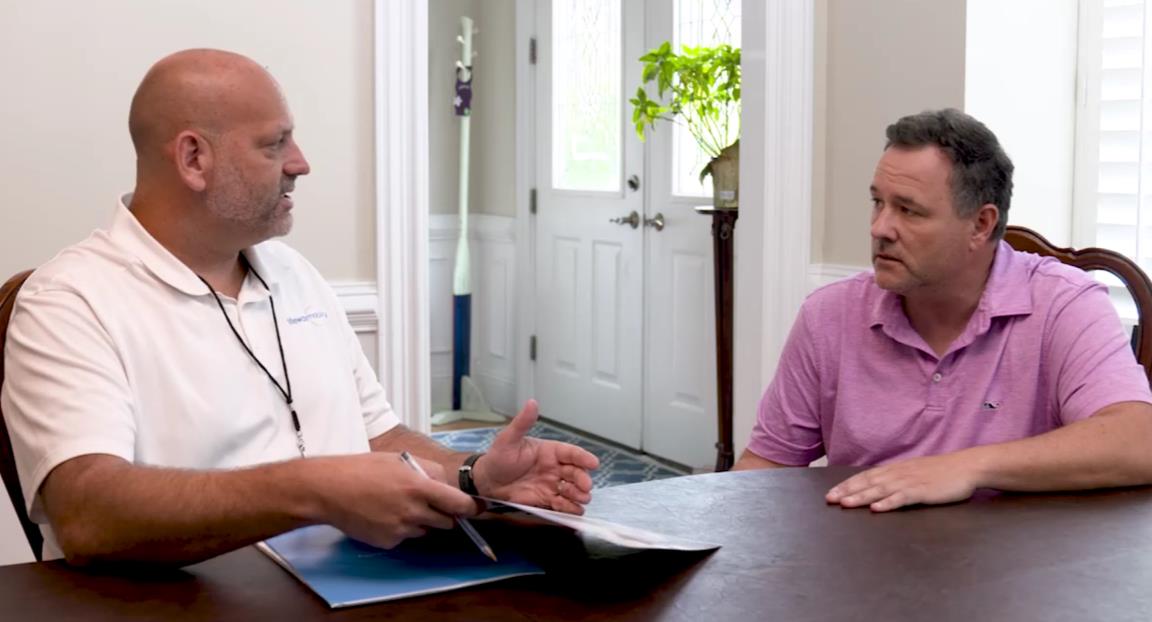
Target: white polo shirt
(116,347)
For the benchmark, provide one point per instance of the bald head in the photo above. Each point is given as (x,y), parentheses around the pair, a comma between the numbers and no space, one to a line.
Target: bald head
(217,159)
(205,91)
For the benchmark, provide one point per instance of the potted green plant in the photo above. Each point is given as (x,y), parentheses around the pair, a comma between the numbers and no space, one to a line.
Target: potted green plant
(699,88)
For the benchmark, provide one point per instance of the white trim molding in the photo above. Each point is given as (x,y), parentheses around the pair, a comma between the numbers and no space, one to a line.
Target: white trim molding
(482,227)
(774,229)
(401,109)
(359,301)
(821,274)
(525,220)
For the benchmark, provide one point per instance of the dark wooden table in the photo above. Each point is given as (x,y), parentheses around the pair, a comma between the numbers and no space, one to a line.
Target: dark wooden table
(786,556)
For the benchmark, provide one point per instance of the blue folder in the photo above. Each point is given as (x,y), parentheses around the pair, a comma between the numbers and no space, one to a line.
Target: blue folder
(346,572)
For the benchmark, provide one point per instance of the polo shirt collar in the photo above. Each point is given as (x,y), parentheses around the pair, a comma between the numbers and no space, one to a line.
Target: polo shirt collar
(128,234)
(1006,293)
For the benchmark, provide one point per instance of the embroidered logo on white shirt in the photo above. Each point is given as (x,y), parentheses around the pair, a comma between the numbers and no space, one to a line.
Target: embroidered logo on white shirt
(315,317)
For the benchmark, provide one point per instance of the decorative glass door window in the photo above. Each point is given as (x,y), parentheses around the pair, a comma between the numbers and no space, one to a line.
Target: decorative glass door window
(586,95)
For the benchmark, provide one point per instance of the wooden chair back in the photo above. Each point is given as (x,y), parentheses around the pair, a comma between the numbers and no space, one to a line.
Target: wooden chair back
(1027,240)
(7,460)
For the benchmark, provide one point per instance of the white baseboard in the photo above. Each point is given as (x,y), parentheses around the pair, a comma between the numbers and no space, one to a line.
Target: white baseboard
(500,393)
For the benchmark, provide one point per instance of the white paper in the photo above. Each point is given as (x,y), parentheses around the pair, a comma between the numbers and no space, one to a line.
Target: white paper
(620,535)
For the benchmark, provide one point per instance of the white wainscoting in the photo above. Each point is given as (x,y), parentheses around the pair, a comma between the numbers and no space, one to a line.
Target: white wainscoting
(492,249)
(821,274)
(492,244)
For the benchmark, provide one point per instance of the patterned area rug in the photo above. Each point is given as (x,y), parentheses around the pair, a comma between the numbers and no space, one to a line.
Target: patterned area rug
(617,465)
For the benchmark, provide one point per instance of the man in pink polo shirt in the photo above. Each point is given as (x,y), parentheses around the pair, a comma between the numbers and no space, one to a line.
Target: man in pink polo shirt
(958,363)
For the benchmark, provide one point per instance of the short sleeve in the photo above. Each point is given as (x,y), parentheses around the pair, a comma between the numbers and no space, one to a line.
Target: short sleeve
(375,409)
(65,391)
(787,429)
(374,405)
(1091,358)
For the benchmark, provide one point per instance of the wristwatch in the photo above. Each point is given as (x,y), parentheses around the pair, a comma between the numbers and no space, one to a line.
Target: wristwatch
(467,484)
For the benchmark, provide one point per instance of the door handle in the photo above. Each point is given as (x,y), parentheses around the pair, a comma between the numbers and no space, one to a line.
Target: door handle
(632,220)
(656,222)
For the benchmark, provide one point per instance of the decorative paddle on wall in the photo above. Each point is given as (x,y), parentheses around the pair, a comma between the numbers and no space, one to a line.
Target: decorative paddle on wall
(467,401)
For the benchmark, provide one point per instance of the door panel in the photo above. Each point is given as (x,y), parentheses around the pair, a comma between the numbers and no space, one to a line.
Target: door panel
(606,318)
(689,350)
(565,351)
(680,396)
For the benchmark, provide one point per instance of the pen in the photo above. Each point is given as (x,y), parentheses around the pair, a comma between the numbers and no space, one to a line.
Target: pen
(474,535)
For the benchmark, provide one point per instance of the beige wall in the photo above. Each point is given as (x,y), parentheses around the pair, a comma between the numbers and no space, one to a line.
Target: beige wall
(884,59)
(494,123)
(68,71)
(443,130)
(493,148)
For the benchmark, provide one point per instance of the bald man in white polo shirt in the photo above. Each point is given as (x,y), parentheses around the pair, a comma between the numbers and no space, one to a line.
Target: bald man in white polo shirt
(179,386)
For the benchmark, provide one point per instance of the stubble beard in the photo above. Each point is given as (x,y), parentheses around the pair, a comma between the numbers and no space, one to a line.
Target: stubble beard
(257,214)
(896,277)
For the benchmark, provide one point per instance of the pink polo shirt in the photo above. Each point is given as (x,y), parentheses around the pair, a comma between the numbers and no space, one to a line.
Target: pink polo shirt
(1044,348)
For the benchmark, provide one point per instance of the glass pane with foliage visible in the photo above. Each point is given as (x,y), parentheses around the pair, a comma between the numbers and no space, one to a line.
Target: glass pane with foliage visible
(586,94)
(699,23)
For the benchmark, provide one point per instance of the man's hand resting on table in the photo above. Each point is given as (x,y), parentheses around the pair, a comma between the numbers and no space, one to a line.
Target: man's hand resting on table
(932,479)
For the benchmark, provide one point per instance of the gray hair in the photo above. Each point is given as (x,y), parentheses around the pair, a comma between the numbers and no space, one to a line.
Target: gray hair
(981,171)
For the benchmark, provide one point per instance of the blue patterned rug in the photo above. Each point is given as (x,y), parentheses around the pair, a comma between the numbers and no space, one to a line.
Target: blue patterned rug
(617,465)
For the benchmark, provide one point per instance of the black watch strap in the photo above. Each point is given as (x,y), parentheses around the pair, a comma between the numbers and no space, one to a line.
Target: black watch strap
(467,483)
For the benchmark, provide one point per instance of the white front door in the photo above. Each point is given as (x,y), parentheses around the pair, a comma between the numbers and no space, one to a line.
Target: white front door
(589,269)
(624,316)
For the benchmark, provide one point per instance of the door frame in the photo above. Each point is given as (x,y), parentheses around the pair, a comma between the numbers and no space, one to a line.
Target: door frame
(525,319)
(400,40)
(773,233)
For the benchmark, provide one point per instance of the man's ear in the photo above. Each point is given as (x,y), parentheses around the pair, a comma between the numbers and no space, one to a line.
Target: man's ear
(193,156)
(984,224)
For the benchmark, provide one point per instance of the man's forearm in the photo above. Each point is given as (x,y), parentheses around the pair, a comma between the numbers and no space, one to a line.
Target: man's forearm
(402,438)
(115,511)
(749,461)
(1111,448)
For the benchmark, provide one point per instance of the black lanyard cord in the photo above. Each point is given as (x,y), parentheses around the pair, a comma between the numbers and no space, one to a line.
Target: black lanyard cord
(285,392)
